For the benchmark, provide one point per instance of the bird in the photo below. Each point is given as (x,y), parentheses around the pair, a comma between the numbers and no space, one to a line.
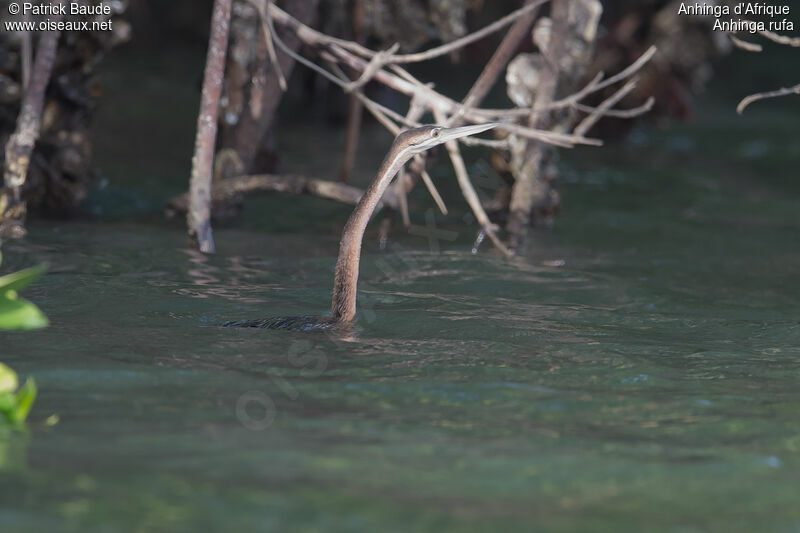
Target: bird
(406,145)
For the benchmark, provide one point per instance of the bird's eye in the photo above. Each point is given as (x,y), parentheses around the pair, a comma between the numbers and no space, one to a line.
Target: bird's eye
(435,133)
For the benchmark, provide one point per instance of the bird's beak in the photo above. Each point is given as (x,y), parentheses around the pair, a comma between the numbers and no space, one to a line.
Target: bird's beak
(448,134)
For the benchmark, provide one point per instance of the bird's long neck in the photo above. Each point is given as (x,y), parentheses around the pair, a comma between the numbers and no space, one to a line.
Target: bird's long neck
(343,307)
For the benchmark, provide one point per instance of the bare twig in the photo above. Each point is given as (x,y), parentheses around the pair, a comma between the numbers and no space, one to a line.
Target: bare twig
(629,71)
(745,45)
(468,190)
(508,47)
(385,68)
(402,81)
(402,184)
(471,38)
(794,42)
(751,47)
(231,188)
(621,113)
(266,29)
(355,108)
(598,83)
(439,102)
(352,131)
(497,144)
(770,94)
(377,62)
(433,52)
(769,35)
(603,108)
(382,114)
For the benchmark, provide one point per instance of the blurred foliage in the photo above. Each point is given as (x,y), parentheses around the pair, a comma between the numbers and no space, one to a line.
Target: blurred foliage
(15,401)
(17,313)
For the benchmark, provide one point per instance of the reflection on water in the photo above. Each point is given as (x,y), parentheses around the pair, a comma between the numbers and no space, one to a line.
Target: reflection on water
(636,370)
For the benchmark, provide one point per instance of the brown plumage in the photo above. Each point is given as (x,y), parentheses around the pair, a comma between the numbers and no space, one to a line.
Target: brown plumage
(345,285)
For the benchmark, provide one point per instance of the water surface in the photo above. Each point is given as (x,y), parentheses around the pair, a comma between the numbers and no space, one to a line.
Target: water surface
(637,369)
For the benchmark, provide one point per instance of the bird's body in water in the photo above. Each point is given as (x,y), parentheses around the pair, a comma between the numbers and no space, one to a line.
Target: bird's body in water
(292,323)
(343,306)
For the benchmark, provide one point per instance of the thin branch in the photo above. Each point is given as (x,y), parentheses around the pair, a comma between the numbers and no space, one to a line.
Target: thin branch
(400,191)
(516,34)
(375,64)
(232,188)
(433,52)
(769,35)
(597,85)
(468,190)
(266,28)
(501,114)
(497,144)
(471,38)
(630,70)
(745,45)
(621,113)
(563,140)
(607,104)
(355,112)
(382,114)
(385,68)
(781,39)
(440,102)
(770,94)
(426,179)
(379,113)
(402,81)
(752,47)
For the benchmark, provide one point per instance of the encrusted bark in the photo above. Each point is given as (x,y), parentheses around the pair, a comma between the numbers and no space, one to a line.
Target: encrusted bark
(565,42)
(252,90)
(59,169)
(19,148)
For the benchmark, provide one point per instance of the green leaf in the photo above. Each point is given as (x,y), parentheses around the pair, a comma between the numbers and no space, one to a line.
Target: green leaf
(7,403)
(8,379)
(25,397)
(15,406)
(18,280)
(20,314)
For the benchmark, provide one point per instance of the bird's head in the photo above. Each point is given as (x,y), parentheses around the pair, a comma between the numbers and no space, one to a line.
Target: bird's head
(426,137)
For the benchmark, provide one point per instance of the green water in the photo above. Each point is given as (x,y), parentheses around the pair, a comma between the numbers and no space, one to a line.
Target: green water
(648,383)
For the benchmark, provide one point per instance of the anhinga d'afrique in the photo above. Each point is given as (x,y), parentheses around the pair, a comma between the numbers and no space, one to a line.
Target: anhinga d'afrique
(406,145)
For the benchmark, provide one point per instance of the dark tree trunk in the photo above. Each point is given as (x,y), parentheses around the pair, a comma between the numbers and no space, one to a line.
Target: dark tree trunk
(19,148)
(252,90)
(60,168)
(565,52)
